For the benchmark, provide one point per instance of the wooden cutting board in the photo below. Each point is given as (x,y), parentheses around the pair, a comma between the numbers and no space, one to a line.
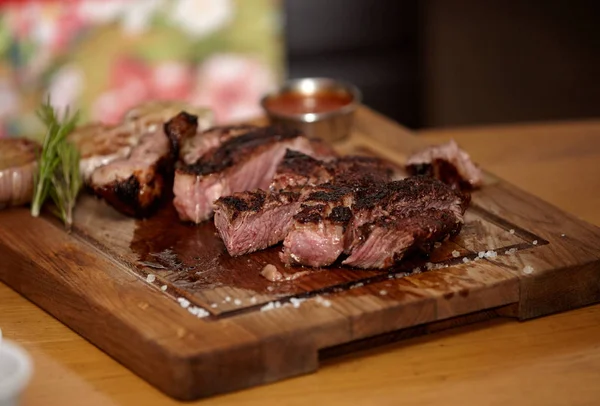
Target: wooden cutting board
(165,299)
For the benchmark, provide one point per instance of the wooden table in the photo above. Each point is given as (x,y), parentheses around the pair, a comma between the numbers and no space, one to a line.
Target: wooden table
(550,361)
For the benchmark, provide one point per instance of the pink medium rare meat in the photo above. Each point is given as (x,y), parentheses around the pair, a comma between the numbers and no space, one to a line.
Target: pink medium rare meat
(245,162)
(448,163)
(364,212)
(254,220)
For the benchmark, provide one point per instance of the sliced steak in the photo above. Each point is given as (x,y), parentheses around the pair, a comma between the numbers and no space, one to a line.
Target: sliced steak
(246,162)
(195,147)
(134,185)
(298,169)
(99,144)
(278,212)
(448,163)
(383,242)
(251,221)
(365,208)
(18,157)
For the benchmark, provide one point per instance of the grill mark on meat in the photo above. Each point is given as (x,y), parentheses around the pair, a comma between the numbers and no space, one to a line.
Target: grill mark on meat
(245,162)
(233,150)
(135,185)
(340,215)
(195,147)
(298,169)
(252,201)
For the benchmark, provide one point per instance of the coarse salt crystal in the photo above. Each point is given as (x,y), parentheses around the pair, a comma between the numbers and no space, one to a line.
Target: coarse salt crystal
(429,266)
(383,292)
(534,242)
(228,299)
(323,302)
(214,305)
(267,307)
(237,302)
(455,254)
(417,270)
(270,288)
(528,269)
(296,302)
(562,235)
(163,288)
(465,260)
(198,311)
(183,302)
(150,278)
(481,254)
(512,231)
(437,244)
(253,300)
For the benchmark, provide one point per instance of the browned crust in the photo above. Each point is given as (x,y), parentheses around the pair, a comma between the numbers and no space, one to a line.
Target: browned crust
(237,149)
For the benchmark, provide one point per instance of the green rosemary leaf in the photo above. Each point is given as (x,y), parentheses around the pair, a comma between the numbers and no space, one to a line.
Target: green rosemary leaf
(58,174)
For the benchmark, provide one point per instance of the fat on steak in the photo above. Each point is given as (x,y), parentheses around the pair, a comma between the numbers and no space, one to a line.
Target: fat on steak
(134,185)
(448,163)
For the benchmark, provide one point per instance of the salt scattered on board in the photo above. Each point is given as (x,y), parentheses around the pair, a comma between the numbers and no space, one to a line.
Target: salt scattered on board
(150,278)
(163,288)
(183,302)
(455,254)
(528,269)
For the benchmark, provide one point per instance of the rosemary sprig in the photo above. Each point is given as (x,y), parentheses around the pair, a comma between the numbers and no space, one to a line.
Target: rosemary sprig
(58,165)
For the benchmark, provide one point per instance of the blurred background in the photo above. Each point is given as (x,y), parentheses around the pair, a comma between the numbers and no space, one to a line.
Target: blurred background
(428,63)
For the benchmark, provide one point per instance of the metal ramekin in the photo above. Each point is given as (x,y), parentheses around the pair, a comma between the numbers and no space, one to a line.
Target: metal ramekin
(331,125)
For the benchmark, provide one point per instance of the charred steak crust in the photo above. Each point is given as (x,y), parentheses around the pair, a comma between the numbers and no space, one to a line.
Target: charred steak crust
(253,201)
(180,127)
(235,149)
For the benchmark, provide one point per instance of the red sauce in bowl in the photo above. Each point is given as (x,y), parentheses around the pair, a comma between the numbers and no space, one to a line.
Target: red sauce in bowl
(292,103)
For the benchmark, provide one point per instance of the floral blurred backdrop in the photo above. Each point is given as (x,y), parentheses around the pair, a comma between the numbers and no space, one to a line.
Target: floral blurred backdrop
(105,56)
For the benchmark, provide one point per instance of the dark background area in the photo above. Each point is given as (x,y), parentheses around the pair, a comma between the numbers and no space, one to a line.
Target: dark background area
(436,63)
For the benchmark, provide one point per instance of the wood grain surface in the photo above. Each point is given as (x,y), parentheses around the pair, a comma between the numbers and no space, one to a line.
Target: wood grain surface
(124,387)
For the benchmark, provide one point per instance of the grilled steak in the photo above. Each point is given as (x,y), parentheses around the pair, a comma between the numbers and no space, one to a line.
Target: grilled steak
(298,169)
(238,216)
(17,167)
(448,163)
(413,213)
(384,241)
(195,147)
(134,185)
(251,221)
(99,144)
(245,162)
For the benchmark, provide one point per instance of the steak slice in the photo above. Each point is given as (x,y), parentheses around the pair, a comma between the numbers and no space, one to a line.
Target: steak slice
(369,208)
(383,242)
(245,162)
(448,163)
(298,169)
(279,208)
(251,221)
(134,185)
